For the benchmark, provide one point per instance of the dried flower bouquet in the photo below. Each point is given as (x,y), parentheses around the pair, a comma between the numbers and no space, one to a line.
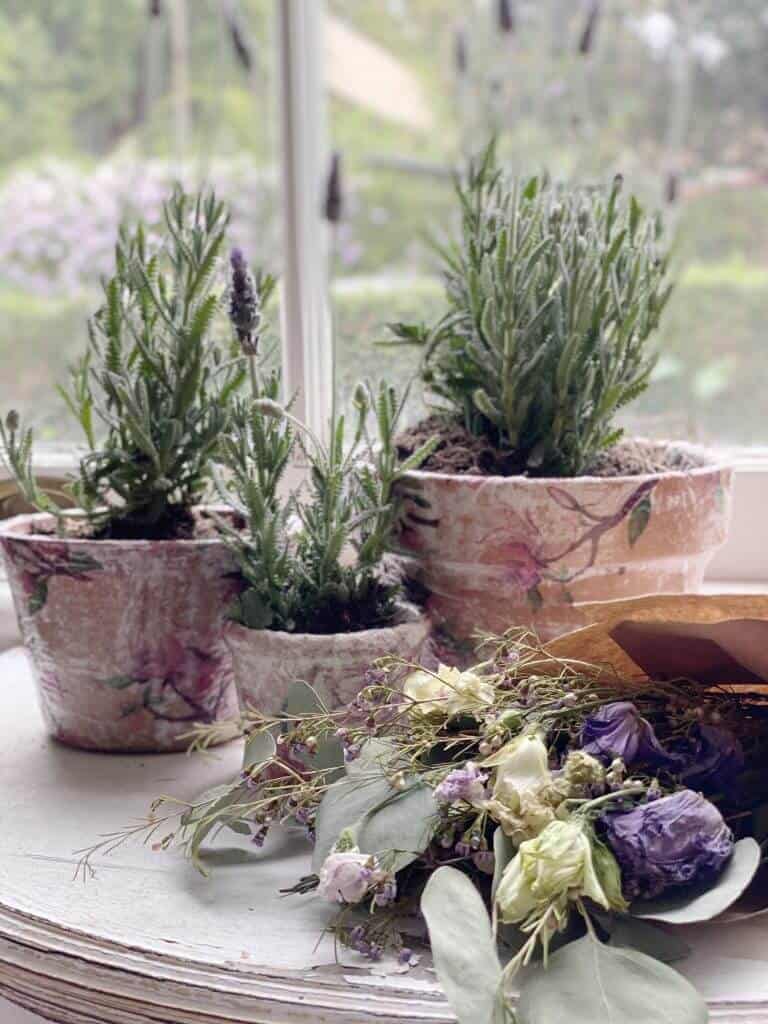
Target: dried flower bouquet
(541,813)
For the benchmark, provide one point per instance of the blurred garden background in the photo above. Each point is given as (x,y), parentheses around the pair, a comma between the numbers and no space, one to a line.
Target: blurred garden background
(103,105)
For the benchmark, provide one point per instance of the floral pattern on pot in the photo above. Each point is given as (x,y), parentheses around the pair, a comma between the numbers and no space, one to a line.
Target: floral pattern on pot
(267,662)
(174,684)
(496,552)
(39,562)
(126,637)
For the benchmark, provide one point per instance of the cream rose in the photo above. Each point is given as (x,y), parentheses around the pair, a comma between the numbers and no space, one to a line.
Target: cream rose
(555,867)
(446,692)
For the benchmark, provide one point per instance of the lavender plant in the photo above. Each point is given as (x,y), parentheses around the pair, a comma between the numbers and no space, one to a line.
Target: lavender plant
(152,393)
(312,557)
(552,294)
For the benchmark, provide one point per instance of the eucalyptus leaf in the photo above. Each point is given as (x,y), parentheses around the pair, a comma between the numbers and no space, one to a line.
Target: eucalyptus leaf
(302,699)
(345,803)
(588,982)
(374,755)
(205,801)
(259,748)
(239,827)
(702,903)
(404,823)
(646,938)
(463,947)
(207,820)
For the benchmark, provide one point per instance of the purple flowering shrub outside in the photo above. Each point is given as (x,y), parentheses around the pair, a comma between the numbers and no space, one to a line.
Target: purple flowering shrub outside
(58,223)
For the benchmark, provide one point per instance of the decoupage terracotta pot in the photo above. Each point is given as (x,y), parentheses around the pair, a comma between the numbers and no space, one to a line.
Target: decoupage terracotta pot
(496,552)
(267,662)
(125,636)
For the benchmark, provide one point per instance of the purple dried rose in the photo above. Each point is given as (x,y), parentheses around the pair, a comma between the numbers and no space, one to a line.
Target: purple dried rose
(714,759)
(619,730)
(679,839)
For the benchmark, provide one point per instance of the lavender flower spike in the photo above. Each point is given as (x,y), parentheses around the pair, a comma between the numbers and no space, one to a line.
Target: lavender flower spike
(677,840)
(244,305)
(618,730)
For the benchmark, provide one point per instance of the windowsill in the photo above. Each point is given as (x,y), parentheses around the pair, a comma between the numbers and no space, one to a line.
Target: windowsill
(741,566)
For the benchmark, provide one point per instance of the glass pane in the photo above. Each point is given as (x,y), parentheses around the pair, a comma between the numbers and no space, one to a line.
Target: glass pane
(102,107)
(672,95)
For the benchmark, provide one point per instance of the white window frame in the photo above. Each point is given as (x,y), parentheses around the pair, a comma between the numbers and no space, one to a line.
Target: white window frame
(307,347)
(306,324)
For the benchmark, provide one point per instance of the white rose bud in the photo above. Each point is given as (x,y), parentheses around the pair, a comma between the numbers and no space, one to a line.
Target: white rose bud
(346,877)
(554,868)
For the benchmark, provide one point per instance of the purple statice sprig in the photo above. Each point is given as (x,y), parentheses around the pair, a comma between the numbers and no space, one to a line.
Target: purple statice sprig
(465,784)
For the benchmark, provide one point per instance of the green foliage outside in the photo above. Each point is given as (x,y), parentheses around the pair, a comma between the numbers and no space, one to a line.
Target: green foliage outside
(89,83)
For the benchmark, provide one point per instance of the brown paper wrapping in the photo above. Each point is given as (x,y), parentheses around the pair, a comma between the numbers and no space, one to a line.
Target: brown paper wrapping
(712,638)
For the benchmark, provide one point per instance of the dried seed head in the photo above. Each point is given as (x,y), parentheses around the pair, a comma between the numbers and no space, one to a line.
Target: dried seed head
(334,202)
(506,16)
(240,44)
(587,40)
(460,52)
(12,421)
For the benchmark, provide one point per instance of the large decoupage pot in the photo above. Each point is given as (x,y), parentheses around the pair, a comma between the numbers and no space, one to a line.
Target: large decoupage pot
(267,662)
(494,552)
(125,636)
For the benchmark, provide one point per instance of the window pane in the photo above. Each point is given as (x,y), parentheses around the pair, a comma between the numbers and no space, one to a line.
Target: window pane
(102,107)
(671,95)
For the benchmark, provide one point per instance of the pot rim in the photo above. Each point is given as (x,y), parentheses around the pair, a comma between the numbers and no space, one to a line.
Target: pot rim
(715,464)
(12,529)
(409,615)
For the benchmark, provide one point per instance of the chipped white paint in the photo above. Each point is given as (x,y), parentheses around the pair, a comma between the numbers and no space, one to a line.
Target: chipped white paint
(149,940)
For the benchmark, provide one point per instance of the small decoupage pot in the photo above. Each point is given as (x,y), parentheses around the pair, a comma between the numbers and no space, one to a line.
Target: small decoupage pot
(267,662)
(125,636)
(495,552)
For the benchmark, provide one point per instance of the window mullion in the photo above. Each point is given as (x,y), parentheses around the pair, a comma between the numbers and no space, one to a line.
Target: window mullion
(305,320)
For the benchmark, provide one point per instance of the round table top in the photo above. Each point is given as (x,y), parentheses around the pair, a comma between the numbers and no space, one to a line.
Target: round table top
(149,939)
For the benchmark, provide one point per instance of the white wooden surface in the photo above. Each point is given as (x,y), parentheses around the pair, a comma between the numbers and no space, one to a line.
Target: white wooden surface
(149,940)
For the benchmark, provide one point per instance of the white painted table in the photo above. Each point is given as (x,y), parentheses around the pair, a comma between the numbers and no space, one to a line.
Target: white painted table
(149,940)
